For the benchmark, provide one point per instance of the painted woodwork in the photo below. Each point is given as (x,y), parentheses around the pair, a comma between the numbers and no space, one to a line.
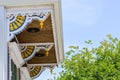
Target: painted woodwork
(28,51)
(35,71)
(19,18)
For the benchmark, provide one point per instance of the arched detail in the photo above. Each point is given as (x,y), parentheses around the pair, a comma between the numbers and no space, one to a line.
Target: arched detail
(35,71)
(17,23)
(27,52)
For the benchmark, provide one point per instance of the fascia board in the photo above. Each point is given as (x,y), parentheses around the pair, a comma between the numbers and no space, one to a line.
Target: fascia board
(25,2)
(45,64)
(59,30)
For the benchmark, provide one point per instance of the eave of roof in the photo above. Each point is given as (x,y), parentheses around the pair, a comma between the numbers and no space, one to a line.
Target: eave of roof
(58,18)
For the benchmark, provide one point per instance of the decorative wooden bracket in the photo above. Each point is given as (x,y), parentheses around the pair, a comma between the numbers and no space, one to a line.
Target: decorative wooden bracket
(35,71)
(29,50)
(18,19)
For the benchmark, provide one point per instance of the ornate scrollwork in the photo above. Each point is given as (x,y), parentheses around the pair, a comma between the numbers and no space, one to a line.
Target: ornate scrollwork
(17,20)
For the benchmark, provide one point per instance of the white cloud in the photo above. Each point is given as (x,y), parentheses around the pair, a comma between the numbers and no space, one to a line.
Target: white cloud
(84,12)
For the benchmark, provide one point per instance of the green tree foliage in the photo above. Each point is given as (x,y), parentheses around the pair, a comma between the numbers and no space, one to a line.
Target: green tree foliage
(100,63)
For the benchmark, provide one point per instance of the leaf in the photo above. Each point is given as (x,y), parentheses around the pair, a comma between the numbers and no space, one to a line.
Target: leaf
(88,42)
(99,63)
(70,52)
(74,47)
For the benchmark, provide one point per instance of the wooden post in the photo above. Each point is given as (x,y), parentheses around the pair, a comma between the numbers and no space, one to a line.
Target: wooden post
(3,46)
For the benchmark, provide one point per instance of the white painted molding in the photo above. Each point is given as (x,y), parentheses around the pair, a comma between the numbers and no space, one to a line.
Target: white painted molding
(59,30)
(10,3)
(3,45)
(15,54)
(25,73)
(48,64)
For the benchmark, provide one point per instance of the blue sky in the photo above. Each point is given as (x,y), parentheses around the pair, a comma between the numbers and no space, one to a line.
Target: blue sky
(88,20)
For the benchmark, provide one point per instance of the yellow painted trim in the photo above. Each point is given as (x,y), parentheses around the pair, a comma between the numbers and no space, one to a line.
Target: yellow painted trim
(17,23)
(29,50)
(35,71)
